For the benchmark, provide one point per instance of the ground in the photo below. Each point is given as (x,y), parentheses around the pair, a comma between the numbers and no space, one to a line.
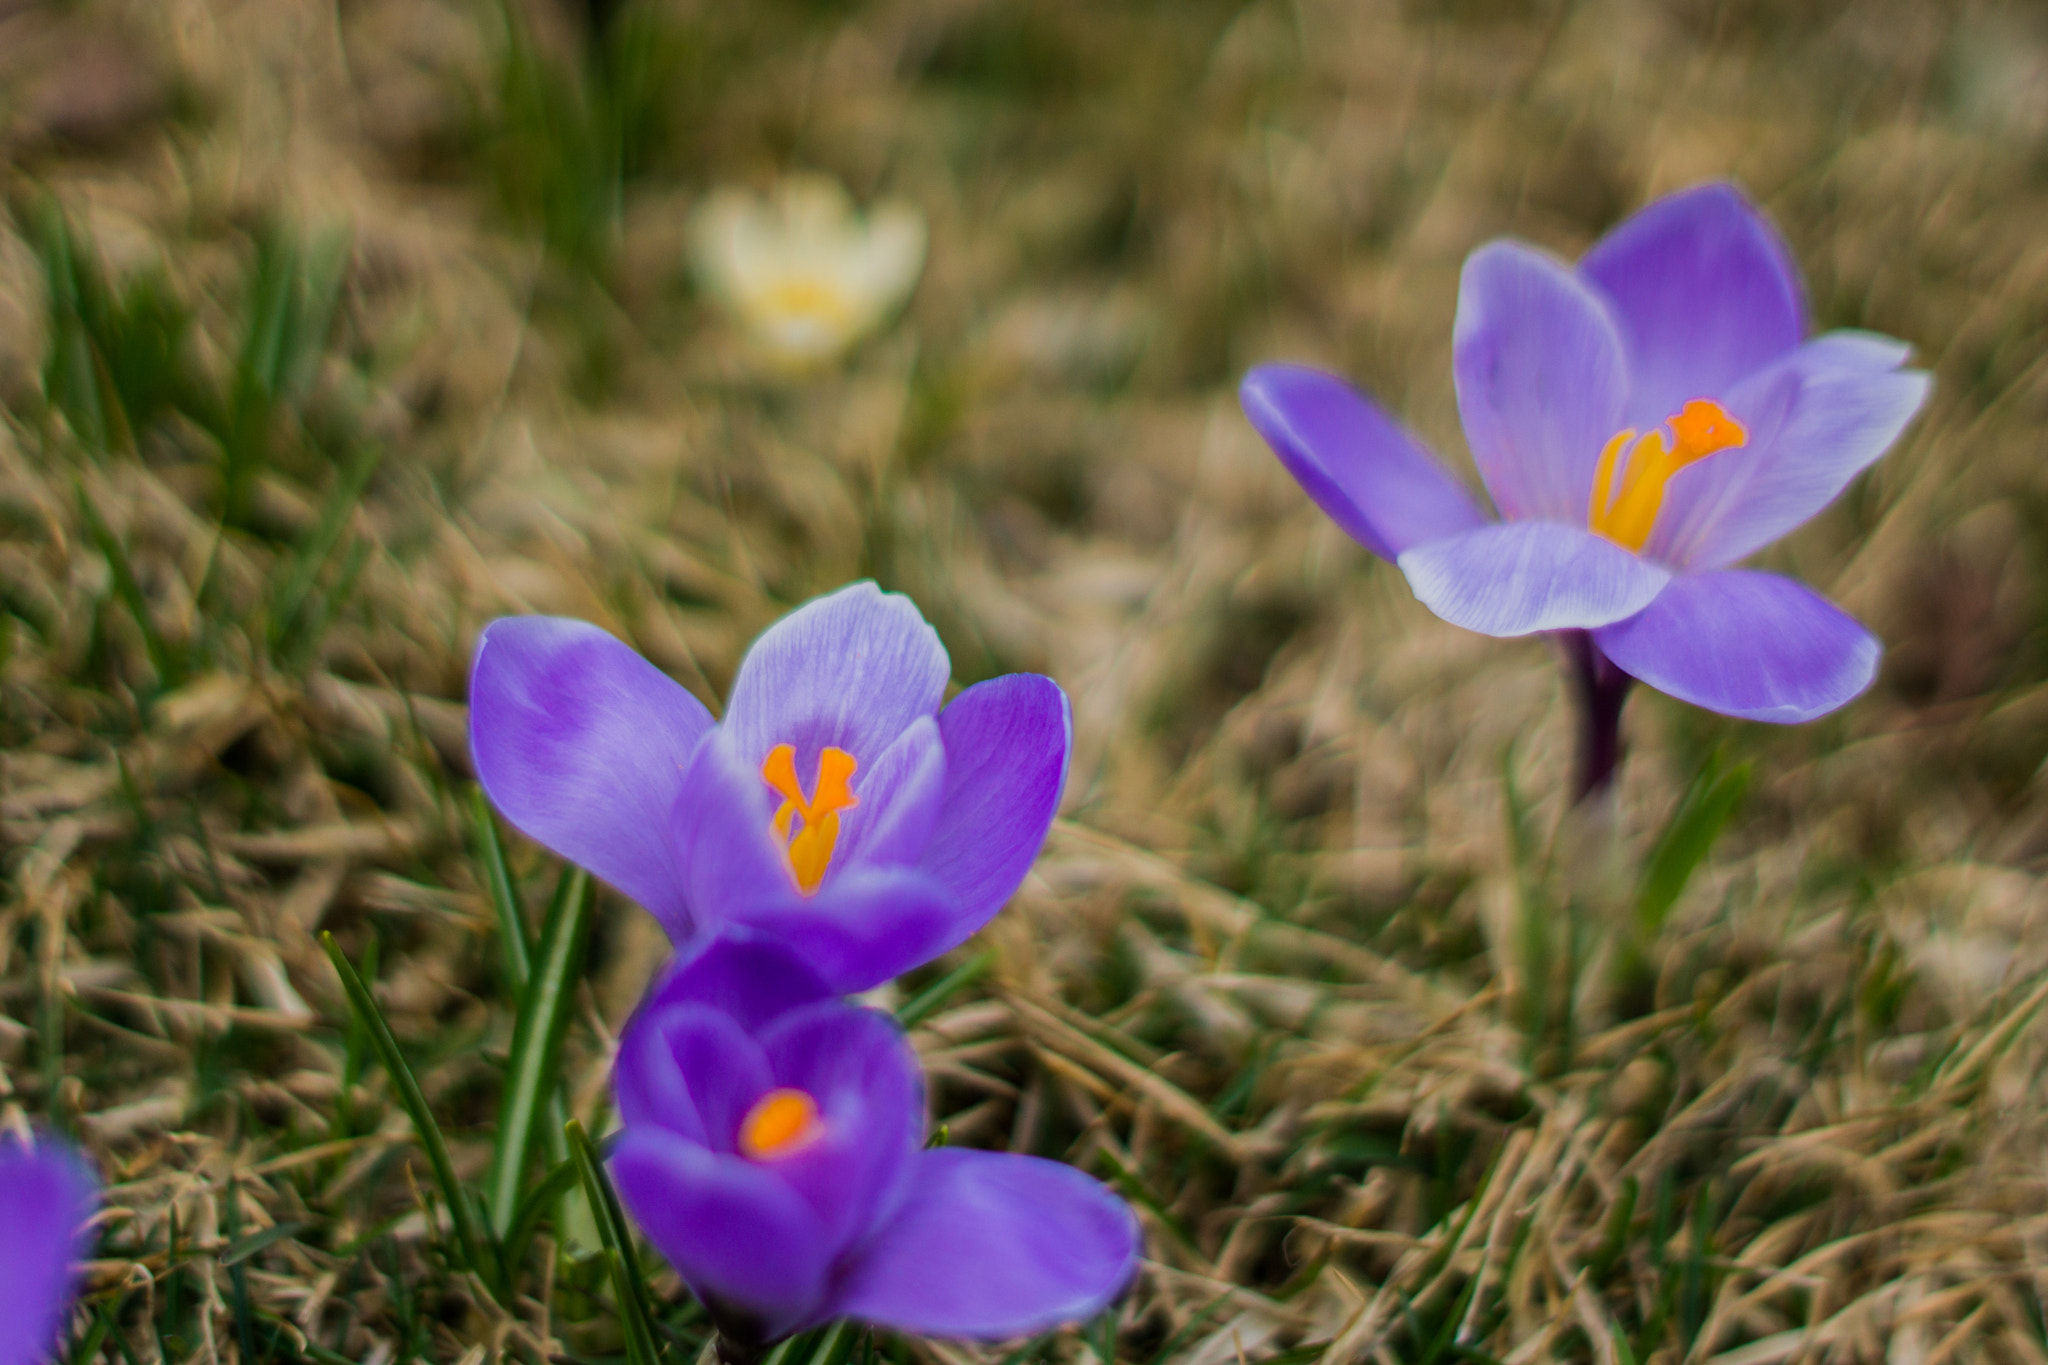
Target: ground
(329,332)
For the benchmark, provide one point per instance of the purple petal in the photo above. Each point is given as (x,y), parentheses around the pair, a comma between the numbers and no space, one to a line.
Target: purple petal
(1360,466)
(1816,420)
(852,669)
(736,1232)
(1746,644)
(1526,576)
(899,801)
(1006,766)
(741,975)
(861,1071)
(1704,292)
(990,1245)
(692,1071)
(46,1196)
(1541,380)
(582,743)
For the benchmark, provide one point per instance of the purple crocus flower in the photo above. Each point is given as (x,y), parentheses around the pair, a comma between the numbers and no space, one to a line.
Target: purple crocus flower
(835,805)
(46,1196)
(772,1151)
(1643,422)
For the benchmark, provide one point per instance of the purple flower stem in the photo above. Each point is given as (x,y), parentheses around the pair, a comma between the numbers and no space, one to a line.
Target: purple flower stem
(1600,689)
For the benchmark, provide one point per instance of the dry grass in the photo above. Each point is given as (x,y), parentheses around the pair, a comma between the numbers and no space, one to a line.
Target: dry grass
(1273,974)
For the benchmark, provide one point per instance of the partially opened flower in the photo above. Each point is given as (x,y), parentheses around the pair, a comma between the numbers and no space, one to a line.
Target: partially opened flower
(836,806)
(804,273)
(774,1155)
(1643,422)
(46,1196)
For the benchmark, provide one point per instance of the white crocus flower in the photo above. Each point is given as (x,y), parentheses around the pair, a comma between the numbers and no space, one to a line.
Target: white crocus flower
(804,273)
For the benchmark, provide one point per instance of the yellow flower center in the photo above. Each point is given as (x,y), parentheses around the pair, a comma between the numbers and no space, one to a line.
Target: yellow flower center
(1626,513)
(781,1123)
(810,850)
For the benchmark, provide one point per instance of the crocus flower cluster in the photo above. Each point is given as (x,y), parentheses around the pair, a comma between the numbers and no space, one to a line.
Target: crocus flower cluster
(837,827)
(1643,422)
(46,1196)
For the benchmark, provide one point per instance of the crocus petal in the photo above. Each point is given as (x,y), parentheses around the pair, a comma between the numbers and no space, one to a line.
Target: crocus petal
(1006,742)
(899,800)
(46,1196)
(990,1245)
(1816,420)
(860,1070)
(725,838)
(1526,576)
(1541,380)
(1359,465)
(865,926)
(742,975)
(851,669)
(691,1070)
(1752,645)
(736,1232)
(1704,292)
(582,743)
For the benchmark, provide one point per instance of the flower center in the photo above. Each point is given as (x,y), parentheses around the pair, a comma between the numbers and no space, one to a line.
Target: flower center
(1626,500)
(810,850)
(781,1123)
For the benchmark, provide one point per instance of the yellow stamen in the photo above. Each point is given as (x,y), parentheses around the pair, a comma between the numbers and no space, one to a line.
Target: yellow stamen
(781,1123)
(1625,515)
(810,851)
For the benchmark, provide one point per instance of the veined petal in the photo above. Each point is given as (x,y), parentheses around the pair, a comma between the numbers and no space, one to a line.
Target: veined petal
(900,799)
(1541,380)
(864,926)
(690,1070)
(991,1245)
(1360,466)
(1006,742)
(1704,292)
(582,743)
(1752,645)
(1817,419)
(1525,576)
(852,669)
(736,1232)
(742,975)
(46,1196)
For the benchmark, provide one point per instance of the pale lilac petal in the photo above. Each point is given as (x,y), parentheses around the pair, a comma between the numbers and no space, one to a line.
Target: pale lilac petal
(899,798)
(1703,291)
(1541,380)
(852,669)
(724,836)
(740,1237)
(691,1070)
(742,975)
(46,1196)
(1359,465)
(1006,742)
(1816,420)
(989,1245)
(582,743)
(1746,644)
(863,1075)
(1526,576)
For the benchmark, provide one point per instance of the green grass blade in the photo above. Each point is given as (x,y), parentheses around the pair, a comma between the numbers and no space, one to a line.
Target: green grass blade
(490,855)
(617,1238)
(469,1241)
(559,1180)
(162,657)
(289,601)
(537,1041)
(928,1001)
(1702,813)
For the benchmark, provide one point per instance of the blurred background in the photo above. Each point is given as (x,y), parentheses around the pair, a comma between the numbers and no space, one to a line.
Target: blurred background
(330,331)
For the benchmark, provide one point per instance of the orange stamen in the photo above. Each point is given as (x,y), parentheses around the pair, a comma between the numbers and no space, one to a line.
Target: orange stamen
(781,1123)
(810,851)
(1626,514)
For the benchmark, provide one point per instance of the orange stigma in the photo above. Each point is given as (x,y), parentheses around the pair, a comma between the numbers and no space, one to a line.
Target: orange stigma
(810,851)
(1625,514)
(782,1123)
